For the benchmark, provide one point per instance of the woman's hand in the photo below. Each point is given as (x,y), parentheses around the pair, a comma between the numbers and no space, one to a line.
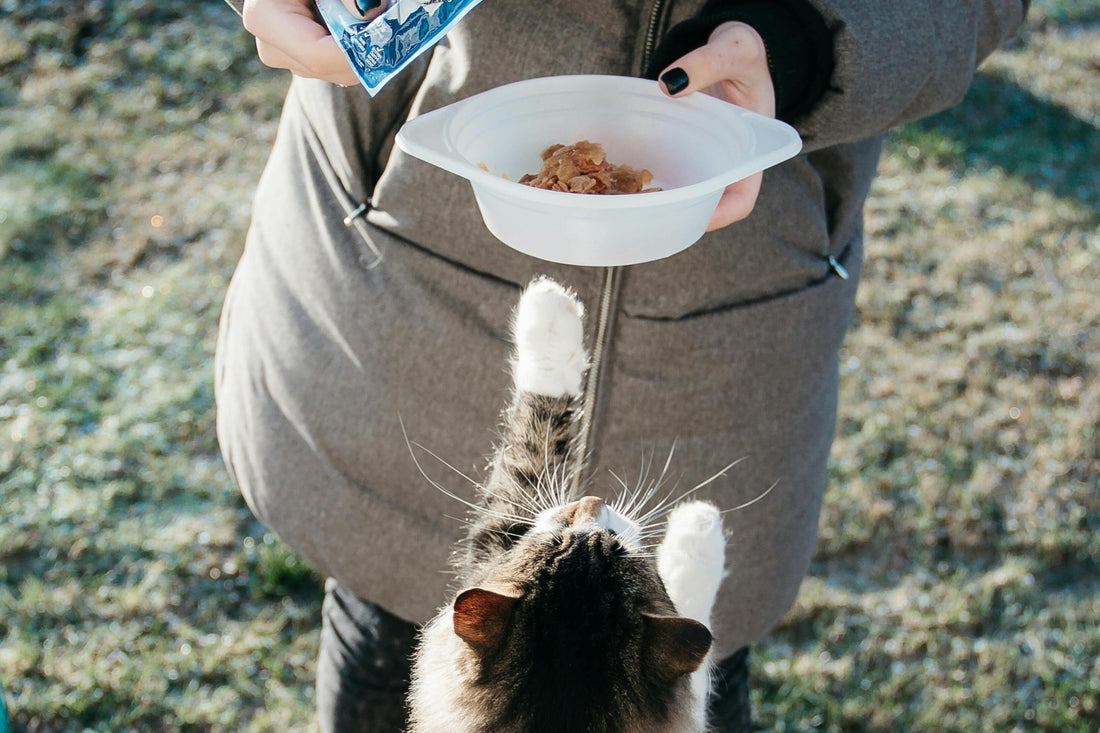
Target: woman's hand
(290,35)
(732,66)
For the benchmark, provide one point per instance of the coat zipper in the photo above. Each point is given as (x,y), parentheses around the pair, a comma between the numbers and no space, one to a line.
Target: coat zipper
(608,296)
(608,293)
(652,29)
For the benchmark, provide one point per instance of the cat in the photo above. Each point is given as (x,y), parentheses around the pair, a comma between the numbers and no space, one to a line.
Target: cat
(567,623)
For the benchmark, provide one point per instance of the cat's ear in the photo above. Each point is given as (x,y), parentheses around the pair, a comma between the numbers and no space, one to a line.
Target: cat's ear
(482,615)
(675,645)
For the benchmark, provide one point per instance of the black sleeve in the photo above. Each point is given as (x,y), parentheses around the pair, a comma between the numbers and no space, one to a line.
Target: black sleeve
(799,46)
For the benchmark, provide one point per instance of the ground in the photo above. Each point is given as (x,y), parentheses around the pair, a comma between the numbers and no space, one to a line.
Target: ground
(957,582)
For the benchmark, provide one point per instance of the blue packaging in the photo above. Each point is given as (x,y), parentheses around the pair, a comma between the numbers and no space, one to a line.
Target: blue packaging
(379,49)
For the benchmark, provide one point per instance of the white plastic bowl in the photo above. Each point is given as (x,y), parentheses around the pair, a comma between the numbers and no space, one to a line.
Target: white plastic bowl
(695,147)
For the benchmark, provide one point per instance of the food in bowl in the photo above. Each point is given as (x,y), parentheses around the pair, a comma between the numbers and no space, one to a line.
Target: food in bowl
(583,168)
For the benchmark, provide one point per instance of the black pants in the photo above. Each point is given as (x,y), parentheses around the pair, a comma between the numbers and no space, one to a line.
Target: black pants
(363,665)
(366,654)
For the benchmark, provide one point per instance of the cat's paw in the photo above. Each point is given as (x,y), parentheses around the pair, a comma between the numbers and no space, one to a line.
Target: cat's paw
(549,334)
(691,558)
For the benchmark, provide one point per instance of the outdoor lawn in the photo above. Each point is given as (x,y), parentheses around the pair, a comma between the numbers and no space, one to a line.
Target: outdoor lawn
(957,582)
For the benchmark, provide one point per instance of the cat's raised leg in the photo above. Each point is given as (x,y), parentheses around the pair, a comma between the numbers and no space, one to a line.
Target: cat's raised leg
(548,367)
(534,466)
(691,562)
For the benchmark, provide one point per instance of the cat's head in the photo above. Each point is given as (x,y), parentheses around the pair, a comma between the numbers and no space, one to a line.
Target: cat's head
(568,629)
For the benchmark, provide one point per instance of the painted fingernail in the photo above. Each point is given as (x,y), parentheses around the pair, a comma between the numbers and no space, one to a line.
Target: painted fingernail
(365,6)
(675,80)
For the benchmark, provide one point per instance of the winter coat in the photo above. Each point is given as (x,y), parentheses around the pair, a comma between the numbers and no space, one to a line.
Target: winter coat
(335,377)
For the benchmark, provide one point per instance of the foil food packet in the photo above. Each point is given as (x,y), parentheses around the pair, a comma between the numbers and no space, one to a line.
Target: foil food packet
(379,49)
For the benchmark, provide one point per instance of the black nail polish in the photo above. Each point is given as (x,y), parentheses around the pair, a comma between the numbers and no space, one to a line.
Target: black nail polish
(365,6)
(675,80)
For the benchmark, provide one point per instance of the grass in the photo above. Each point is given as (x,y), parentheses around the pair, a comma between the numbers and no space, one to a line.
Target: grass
(957,582)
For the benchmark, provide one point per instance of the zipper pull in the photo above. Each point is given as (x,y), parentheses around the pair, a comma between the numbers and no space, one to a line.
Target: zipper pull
(838,268)
(359,211)
(352,220)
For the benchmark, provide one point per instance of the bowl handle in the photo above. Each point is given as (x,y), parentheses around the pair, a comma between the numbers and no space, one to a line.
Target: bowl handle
(775,136)
(425,137)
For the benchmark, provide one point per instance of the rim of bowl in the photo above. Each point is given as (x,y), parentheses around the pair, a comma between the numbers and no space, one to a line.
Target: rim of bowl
(564,199)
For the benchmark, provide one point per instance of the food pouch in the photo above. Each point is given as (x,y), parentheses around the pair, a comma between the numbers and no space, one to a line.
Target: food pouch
(380,48)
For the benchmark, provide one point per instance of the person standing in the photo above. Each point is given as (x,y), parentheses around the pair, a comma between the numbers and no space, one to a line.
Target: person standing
(370,294)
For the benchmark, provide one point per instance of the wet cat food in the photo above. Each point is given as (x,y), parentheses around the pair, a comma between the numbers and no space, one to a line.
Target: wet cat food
(583,168)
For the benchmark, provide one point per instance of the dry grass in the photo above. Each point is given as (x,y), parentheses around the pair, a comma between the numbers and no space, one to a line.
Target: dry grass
(957,585)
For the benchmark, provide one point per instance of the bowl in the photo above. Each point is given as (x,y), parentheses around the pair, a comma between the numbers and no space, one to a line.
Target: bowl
(694,147)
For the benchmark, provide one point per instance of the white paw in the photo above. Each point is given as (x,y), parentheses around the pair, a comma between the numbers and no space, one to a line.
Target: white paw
(549,334)
(691,558)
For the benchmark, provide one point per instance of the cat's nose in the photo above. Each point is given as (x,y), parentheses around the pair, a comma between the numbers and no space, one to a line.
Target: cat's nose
(589,510)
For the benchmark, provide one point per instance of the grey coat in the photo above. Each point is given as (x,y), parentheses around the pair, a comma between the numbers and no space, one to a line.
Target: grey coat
(727,350)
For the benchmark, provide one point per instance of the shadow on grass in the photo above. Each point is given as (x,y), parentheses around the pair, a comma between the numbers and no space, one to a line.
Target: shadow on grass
(66,206)
(1005,126)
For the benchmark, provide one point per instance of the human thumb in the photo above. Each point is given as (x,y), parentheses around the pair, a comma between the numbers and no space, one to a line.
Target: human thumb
(732,65)
(366,9)
(692,72)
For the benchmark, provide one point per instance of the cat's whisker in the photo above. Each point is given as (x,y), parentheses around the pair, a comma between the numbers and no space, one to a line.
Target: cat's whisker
(571,487)
(621,501)
(549,488)
(637,499)
(641,470)
(533,505)
(541,478)
(627,498)
(650,550)
(650,537)
(561,485)
(647,496)
(546,462)
(642,498)
(551,485)
(477,508)
(624,499)
(664,469)
(486,511)
(647,464)
(429,479)
(747,504)
(666,501)
(668,508)
(514,503)
(512,535)
(531,493)
(435,455)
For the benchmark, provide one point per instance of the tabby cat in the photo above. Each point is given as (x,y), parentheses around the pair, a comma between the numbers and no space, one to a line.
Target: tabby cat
(568,623)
